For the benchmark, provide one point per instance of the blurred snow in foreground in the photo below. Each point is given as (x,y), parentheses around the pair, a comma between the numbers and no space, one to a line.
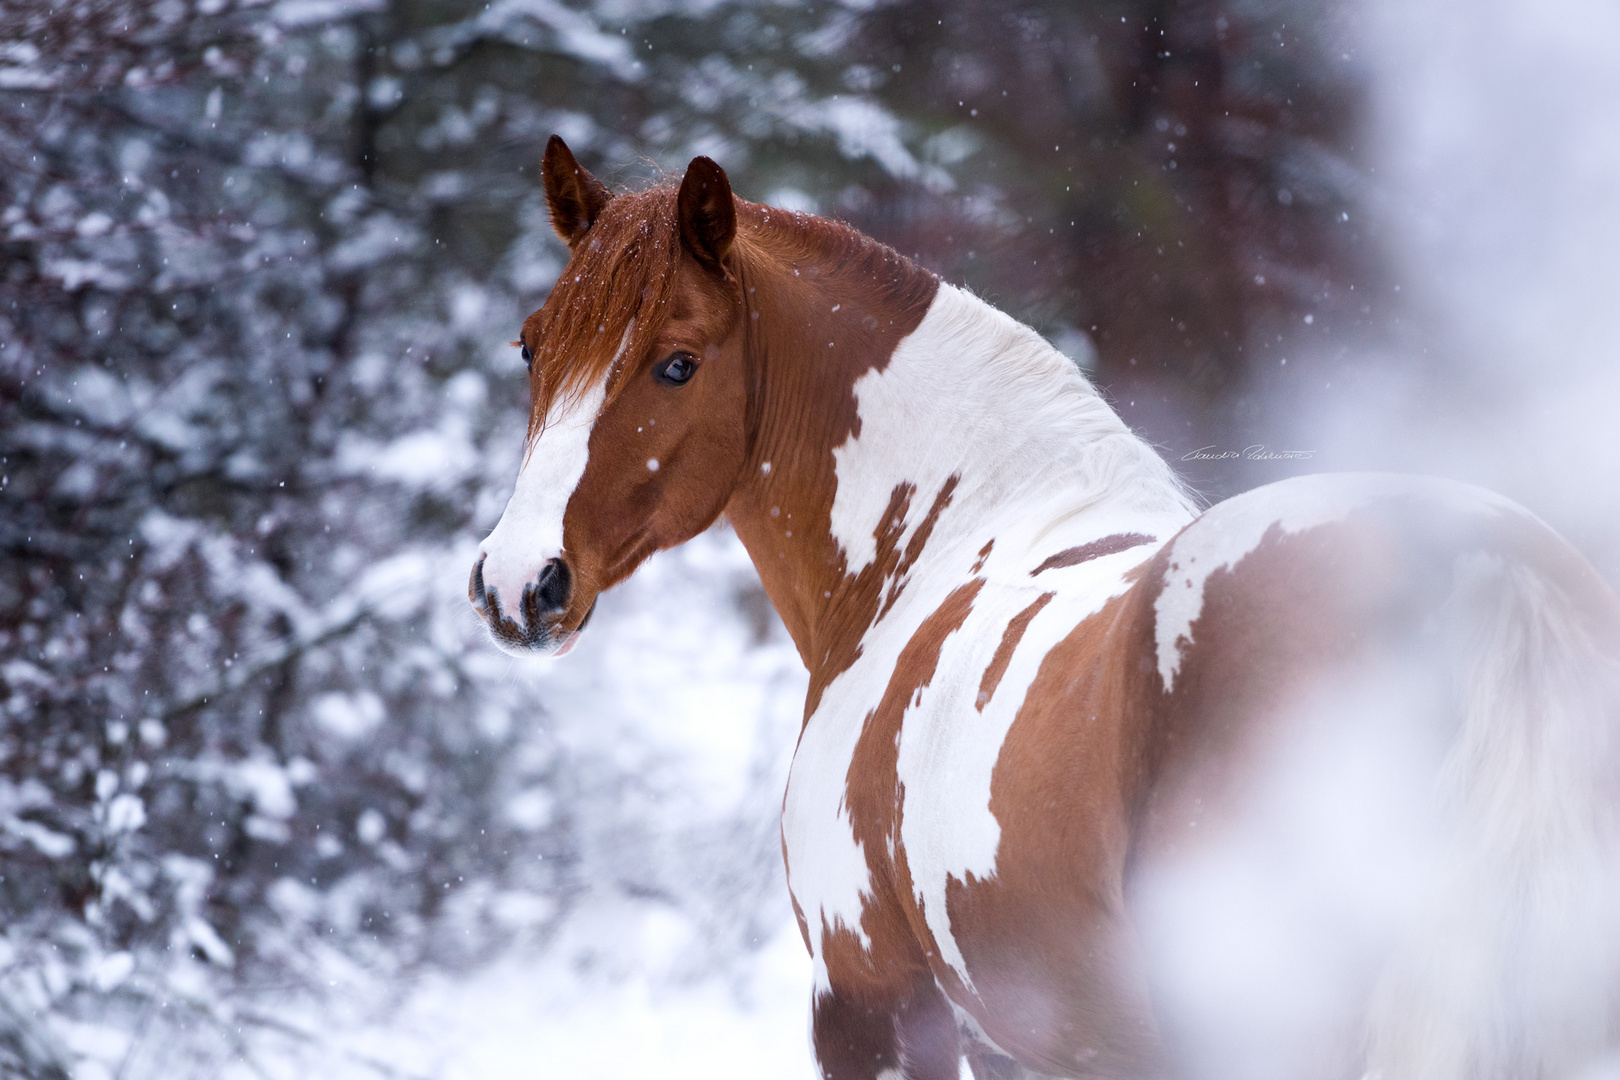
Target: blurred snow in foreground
(1495,162)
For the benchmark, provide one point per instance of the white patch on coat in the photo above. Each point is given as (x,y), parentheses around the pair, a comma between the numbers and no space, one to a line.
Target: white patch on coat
(1044,465)
(974,392)
(530,532)
(1228,532)
(826,869)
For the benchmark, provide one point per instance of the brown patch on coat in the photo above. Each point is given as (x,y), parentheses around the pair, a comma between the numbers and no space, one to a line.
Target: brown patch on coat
(914,1033)
(840,650)
(1292,612)
(1004,651)
(914,547)
(1048,943)
(824,305)
(1096,549)
(984,553)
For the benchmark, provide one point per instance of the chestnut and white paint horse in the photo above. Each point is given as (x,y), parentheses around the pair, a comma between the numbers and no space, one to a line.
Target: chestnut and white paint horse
(1318,783)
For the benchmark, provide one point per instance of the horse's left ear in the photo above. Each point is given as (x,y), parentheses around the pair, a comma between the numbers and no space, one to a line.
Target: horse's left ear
(574,195)
(708,218)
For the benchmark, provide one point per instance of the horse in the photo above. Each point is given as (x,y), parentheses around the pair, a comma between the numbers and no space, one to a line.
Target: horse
(1318,782)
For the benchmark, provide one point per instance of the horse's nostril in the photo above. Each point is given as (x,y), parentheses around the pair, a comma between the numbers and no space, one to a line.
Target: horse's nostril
(527,622)
(554,585)
(475,587)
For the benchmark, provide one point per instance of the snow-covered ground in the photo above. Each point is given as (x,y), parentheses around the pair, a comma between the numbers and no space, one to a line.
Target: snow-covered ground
(708,703)
(525,1017)
(702,704)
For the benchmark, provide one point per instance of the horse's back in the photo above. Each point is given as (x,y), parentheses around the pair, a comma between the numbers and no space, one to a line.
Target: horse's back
(1354,675)
(1326,594)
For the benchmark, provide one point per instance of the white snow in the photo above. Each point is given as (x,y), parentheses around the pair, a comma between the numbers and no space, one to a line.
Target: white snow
(525,1017)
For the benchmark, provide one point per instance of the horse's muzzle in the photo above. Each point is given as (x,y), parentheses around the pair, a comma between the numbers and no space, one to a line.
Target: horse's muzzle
(532,625)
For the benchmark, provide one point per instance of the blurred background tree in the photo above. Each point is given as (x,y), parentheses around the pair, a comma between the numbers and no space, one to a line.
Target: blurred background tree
(258,265)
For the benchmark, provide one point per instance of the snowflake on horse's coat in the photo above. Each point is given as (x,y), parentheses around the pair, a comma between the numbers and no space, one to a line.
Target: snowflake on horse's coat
(1318,782)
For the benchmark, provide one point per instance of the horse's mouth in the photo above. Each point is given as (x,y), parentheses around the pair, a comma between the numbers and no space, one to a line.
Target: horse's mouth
(571,637)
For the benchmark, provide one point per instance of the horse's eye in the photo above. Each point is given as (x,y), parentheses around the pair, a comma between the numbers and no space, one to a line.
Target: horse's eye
(676,369)
(528,358)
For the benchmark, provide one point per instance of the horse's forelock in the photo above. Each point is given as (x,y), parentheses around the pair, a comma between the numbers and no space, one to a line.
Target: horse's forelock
(610,301)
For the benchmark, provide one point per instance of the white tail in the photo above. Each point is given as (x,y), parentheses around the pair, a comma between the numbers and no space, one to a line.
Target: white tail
(1513,969)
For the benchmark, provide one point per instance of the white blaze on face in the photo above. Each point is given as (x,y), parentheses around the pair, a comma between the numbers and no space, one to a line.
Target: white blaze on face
(530,532)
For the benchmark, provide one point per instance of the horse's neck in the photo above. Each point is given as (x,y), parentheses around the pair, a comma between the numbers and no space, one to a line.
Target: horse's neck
(978,403)
(973,429)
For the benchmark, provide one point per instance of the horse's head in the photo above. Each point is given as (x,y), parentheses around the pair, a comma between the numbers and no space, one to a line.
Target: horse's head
(638,429)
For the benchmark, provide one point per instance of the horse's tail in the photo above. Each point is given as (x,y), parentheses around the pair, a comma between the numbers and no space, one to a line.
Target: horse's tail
(1515,971)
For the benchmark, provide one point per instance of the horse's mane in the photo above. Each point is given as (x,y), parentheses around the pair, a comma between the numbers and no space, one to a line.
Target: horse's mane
(610,300)
(625,265)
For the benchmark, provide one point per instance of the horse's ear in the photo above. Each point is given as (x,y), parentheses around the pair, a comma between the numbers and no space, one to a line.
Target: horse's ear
(708,218)
(575,196)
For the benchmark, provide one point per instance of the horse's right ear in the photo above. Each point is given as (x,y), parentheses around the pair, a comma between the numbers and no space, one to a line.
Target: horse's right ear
(708,218)
(575,196)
